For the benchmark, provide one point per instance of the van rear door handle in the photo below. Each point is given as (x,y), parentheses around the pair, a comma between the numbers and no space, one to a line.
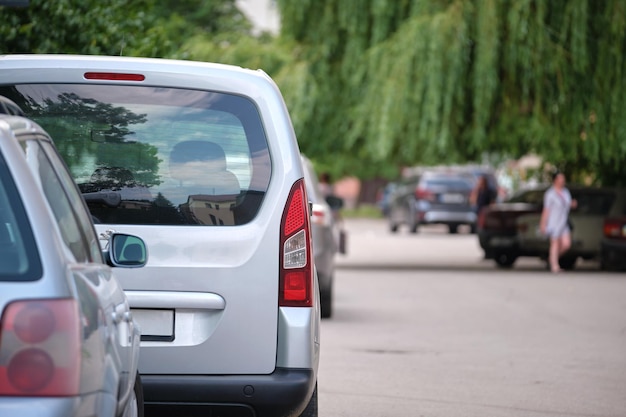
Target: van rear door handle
(175,299)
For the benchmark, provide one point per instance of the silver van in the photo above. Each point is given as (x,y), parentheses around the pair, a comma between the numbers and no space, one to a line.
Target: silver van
(201,161)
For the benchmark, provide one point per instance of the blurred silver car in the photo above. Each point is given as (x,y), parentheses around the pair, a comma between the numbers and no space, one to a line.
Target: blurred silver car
(201,161)
(69,346)
(433,197)
(327,233)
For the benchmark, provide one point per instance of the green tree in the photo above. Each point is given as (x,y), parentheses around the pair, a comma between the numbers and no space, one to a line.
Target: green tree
(111,27)
(433,81)
(152,28)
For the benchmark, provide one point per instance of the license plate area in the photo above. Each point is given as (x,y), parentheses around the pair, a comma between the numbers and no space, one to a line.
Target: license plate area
(157,325)
(452,198)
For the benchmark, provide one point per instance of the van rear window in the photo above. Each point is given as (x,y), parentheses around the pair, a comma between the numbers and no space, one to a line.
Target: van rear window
(155,156)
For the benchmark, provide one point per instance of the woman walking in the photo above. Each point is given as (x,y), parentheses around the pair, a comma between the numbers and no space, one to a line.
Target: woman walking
(557,203)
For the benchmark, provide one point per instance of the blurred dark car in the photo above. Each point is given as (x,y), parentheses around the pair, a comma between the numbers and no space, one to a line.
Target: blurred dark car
(509,230)
(594,205)
(613,244)
(497,225)
(432,198)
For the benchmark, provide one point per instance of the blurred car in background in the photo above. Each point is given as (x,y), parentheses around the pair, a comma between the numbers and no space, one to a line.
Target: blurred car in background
(588,221)
(433,197)
(69,345)
(497,227)
(327,233)
(613,244)
(382,197)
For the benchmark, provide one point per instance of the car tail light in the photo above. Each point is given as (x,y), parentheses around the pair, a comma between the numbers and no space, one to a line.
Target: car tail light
(614,228)
(492,221)
(424,194)
(320,215)
(114,76)
(40,348)
(296,271)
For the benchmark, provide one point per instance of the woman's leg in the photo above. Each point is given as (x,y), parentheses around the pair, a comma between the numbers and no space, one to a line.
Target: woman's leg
(565,243)
(553,257)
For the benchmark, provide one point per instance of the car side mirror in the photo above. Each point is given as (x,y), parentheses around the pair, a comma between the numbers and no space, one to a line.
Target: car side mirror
(334,202)
(126,251)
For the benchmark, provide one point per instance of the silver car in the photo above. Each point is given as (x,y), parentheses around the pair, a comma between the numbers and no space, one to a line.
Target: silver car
(201,161)
(328,235)
(68,344)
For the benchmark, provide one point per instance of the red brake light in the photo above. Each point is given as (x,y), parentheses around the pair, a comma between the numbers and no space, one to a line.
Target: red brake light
(296,271)
(614,228)
(424,194)
(114,76)
(40,348)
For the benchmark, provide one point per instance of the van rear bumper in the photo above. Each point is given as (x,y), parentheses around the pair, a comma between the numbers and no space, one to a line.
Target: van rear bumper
(286,392)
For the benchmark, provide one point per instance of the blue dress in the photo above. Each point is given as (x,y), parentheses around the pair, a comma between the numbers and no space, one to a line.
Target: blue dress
(558,205)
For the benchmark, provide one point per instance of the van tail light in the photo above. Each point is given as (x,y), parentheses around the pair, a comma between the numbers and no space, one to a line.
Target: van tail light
(615,228)
(296,271)
(424,194)
(40,348)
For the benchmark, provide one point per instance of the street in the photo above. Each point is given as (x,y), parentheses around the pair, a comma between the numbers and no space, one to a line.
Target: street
(423,326)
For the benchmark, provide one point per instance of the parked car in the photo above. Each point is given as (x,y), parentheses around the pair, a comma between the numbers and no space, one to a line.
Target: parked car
(497,226)
(69,346)
(433,197)
(613,244)
(587,219)
(326,231)
(201,161)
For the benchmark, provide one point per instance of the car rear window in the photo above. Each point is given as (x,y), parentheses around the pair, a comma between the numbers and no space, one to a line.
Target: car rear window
(455,183)
(173,156)
(529,197)
(19,258)
(593,202)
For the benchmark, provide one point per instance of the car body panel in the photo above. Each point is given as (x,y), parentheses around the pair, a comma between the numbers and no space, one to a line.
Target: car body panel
(613,244)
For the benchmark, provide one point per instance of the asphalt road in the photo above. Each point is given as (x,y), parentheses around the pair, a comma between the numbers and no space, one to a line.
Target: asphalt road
(423,326)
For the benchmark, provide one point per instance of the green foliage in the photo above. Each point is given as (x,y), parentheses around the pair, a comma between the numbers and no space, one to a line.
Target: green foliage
(76,26)
(374,85)
(442,81)
(153,28)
